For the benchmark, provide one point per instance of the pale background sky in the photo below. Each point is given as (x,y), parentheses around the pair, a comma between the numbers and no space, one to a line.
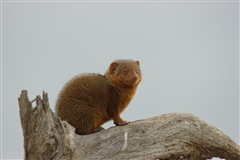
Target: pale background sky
(189,54)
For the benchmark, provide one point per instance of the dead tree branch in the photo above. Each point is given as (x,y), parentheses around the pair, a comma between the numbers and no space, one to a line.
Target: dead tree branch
(172,136)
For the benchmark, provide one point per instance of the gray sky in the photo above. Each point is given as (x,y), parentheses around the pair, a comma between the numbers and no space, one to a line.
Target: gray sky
(188,54)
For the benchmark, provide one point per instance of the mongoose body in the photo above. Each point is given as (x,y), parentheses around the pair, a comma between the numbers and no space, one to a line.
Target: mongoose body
(89,100)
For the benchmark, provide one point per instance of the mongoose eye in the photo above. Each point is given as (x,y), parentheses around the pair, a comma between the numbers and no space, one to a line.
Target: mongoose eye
(137,71)
(125,72)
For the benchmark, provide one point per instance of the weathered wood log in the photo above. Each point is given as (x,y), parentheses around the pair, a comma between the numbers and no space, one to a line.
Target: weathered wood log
(172,136)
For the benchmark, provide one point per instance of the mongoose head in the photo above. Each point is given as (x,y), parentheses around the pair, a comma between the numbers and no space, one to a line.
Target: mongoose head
(124,73)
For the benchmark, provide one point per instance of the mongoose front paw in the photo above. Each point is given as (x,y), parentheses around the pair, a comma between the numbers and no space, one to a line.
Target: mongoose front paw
(121,123)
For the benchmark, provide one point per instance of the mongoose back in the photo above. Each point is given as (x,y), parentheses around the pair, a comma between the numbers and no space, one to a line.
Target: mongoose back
(89,100)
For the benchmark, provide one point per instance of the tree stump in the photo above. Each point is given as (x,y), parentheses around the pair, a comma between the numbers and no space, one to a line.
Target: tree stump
(174,136)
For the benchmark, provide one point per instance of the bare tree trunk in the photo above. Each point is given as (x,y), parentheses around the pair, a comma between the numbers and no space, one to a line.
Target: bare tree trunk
(172,136)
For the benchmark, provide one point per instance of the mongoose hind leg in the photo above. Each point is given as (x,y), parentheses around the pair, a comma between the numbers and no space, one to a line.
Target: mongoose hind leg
(80,132)
(98,129)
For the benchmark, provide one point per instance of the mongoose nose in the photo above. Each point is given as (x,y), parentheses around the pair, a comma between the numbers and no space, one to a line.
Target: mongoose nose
(135,77)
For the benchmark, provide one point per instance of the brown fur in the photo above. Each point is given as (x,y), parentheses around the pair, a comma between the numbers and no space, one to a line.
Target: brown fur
(89,100)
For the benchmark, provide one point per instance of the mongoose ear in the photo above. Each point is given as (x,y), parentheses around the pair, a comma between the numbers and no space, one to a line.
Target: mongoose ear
(138,63)
(113,67)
